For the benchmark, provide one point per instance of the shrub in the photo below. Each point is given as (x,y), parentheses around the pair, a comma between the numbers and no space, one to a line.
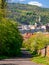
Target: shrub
(10,38)
(36,42)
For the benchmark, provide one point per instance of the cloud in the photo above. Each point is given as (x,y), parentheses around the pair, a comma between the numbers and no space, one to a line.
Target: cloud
(21,0)
(12,0)
(35,3)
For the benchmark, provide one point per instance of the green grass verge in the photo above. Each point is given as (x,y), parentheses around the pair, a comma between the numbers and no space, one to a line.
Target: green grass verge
(41,60)
(3,57)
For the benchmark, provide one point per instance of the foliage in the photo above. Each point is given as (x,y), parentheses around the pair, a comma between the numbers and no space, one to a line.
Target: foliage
(42,40)
(3,3)
(41,60)
(36,42)
(10,38)
(28,14)
(3,10)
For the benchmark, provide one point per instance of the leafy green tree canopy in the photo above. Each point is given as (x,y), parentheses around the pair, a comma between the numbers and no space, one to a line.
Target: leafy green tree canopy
(10,38)
(36,42)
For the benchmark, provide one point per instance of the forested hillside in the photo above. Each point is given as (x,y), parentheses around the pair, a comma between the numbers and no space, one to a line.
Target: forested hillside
(28,14)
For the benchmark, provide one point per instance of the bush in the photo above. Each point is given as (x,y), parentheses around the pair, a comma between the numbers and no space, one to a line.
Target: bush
(10,38)
(36,42)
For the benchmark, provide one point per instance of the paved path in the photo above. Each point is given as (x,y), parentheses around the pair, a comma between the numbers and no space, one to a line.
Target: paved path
(24,60)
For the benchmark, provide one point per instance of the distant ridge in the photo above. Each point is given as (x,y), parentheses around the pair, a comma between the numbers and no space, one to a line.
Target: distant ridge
(28,14)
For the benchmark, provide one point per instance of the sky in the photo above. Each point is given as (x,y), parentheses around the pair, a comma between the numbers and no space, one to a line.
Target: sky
(40,3)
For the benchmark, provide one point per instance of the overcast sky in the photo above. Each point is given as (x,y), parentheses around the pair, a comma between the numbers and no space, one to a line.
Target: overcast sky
(40,3)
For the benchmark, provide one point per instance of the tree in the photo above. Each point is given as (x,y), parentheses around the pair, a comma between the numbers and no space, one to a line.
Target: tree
(37,42)
(3,7)
(3,3)
(42,40)
(10,38)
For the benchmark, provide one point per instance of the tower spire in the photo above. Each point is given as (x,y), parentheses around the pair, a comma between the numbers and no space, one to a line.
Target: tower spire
(39,18)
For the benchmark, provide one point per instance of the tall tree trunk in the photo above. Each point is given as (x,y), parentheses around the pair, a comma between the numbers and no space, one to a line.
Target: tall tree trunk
(3,7)
(3,4)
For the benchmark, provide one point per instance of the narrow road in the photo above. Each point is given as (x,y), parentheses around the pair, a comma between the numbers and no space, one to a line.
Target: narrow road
(24,60)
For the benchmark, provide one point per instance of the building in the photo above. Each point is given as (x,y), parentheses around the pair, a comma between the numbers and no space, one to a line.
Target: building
(27,36)
(31,29)
(47,27)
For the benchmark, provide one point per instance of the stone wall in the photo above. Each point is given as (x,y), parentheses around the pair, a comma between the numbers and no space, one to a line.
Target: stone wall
(47,51)
(43,52)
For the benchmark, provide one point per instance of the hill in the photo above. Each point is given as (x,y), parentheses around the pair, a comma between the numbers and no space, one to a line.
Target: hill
(28,14)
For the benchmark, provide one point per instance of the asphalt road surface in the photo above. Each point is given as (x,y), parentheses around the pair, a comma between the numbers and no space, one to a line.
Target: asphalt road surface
(24,60)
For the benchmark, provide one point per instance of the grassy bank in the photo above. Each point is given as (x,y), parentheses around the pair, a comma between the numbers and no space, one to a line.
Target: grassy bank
(3,57)
(41,60)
